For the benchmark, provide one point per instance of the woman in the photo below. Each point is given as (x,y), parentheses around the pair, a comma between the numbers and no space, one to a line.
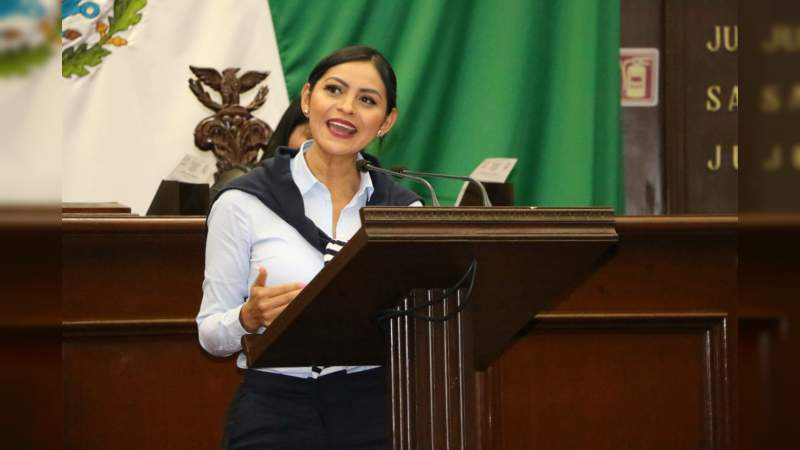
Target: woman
(271,231)
(292,130)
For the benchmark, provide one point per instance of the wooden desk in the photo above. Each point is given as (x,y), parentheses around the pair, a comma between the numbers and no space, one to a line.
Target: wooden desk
(640,355)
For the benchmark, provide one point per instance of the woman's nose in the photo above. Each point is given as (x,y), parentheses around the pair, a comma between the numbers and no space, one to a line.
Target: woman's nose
(346,104)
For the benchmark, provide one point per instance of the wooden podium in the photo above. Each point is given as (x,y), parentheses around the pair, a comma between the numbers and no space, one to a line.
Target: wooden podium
(402,260)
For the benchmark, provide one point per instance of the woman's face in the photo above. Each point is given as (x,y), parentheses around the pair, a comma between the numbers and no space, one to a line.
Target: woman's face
(347,108)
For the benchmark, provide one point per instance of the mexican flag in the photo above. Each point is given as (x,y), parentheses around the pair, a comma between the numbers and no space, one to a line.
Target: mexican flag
(536,80)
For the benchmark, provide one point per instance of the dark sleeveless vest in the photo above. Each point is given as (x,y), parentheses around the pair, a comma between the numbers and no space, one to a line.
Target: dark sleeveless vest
(272,183)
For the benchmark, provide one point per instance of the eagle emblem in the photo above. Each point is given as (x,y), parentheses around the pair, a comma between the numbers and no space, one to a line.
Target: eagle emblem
(232,134)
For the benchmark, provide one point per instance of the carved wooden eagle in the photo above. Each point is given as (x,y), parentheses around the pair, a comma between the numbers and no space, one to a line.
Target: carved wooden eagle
(228,85)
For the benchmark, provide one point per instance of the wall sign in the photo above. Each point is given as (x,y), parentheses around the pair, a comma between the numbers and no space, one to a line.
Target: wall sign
(639,76)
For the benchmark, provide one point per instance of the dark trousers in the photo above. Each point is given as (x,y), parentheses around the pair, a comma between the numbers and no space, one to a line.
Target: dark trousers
(336,411)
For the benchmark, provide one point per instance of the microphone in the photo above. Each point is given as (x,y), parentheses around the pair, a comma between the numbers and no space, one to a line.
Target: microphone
(481,188)
(362,165)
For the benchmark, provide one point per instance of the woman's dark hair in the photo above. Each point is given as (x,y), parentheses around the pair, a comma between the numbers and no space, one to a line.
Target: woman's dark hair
(291,118)
(360,53)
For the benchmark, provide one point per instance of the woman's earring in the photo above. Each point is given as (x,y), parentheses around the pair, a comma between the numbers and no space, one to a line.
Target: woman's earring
(380,133)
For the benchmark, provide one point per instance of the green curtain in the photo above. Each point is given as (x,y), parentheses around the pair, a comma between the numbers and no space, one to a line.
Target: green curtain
(536,80)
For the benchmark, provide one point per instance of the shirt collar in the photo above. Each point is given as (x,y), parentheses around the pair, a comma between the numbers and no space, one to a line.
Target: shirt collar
(305,180)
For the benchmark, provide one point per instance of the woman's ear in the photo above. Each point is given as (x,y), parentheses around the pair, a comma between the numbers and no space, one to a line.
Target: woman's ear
(388,122)
(305,99)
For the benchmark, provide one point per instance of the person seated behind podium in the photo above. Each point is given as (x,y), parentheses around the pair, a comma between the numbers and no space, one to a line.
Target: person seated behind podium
(271,231)
(292,130)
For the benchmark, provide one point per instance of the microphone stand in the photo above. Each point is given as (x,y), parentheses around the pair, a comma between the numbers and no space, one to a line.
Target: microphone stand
(363,165)
(481,188)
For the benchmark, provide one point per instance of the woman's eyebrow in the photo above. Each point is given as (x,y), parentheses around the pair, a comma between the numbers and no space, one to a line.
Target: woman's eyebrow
(339,80)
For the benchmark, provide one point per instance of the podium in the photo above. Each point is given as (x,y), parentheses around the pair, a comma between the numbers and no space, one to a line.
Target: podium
(380,301)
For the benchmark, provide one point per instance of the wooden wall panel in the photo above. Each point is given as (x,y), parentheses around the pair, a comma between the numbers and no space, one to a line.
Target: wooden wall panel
(700,112)
(137,268)
(770,344)
(681,156)
(614,384)
(134,375)
(30,343)
(156,391)
(31,412)
(758,339)
(641,354)
(642,26)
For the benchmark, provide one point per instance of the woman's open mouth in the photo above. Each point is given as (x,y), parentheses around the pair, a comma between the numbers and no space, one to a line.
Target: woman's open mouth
(341,128)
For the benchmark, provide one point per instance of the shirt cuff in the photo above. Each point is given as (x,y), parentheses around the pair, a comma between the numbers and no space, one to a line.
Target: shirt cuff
(231,322)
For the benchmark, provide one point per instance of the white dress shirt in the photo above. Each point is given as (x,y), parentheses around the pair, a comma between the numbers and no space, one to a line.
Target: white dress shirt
(244,234)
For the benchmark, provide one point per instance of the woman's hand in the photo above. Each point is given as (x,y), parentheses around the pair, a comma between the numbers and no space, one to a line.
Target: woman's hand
(266,303)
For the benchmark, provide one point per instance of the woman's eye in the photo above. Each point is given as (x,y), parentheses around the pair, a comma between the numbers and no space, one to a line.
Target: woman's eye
(333,89)
(368,100)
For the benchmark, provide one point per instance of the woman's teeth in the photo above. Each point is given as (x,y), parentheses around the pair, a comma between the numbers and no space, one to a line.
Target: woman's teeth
(341,128)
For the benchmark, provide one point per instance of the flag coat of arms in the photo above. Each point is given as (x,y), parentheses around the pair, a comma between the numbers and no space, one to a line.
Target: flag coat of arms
(129,115)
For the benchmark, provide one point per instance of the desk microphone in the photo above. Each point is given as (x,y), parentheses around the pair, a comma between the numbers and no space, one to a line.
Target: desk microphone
(481,188)
(362,165)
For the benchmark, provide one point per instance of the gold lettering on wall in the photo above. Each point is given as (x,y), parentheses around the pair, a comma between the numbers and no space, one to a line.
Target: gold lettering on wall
(713,103)
(796,157)
(714,163)
(774,100)
(783,38)
(725,36)
(794,98)
(715,97)
(717,162)
(770,98)
(775,160)
(733,100)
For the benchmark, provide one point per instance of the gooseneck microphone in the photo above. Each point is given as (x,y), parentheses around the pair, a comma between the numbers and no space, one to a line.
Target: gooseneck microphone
(481,188)
(362,165)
